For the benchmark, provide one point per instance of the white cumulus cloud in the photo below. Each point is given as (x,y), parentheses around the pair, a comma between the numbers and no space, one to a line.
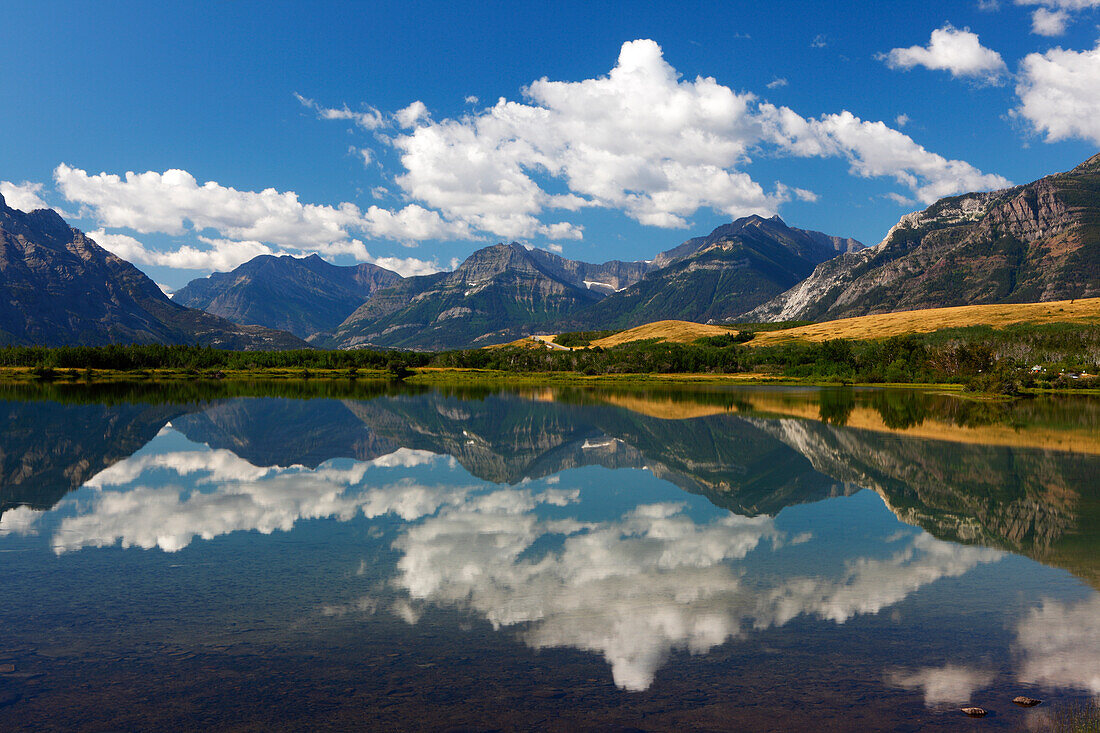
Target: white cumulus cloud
(644,141)
(21,520)
(950,684)
(175,203)
(222,255)
(409,266)
(242,497)
(25,196)
(1058,93)
(1046,22)
(951,49)
(635,588)
(1053,16)
(246,223)
(1074,5)
(639,139)
(873,149)
(1060,644)
(898,199)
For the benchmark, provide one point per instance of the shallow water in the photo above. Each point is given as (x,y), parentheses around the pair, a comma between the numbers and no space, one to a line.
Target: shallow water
(752,558)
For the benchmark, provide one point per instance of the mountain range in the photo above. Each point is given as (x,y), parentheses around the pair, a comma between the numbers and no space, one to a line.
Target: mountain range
(304,296)
(1030,243)
(499,293)
(58,287)
(735,268)
(506,291)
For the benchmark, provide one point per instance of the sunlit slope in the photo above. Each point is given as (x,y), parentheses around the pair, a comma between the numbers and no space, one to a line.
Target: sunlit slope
(675,331)
(883,325)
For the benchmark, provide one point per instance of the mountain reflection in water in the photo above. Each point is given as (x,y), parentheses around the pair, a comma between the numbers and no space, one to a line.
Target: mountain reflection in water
(559,517)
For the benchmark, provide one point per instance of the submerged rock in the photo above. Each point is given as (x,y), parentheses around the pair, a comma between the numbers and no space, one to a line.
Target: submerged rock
(1026,702)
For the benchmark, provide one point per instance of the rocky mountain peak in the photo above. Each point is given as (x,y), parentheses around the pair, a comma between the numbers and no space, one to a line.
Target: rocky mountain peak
(61,288)
(494,260)
(50,221)
(43,226)
(739,225)
(302,295)
(1031,243)
(1092,165)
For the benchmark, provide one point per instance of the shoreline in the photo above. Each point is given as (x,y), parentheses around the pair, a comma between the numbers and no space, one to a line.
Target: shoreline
(449,376)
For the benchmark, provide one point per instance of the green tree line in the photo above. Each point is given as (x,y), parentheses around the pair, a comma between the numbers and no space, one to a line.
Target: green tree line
(986,358)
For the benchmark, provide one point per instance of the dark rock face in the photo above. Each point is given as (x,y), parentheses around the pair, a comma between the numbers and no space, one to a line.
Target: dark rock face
(301,295)
(734,269)
(58,287)
(1031,243)
(499,293)
(811,244)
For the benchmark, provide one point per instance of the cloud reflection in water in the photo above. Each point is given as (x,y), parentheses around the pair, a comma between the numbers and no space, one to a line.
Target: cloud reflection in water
(1060,645)
(653,581)
(632,588)
(223,493)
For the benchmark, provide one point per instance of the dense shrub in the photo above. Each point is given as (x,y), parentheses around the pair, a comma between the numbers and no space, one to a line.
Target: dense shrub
(576,339)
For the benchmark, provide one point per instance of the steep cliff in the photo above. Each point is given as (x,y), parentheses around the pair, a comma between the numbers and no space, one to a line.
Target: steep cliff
(1032,243)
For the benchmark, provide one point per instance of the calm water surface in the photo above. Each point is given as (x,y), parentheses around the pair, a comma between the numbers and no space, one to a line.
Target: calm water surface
(380,558)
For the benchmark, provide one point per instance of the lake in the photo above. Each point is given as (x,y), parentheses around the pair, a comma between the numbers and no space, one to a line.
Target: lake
(303,556)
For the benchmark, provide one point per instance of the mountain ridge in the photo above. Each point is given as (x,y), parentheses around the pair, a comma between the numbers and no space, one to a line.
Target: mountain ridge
(59,288)
(301,295)
(496,293)
(1035,242)
(735,268)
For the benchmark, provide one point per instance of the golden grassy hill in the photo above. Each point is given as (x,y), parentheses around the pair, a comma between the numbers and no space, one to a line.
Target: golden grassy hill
(675,331)
(884,325)
(522,343)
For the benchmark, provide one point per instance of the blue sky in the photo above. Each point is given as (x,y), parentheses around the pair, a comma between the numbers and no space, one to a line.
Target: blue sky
(655,122)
